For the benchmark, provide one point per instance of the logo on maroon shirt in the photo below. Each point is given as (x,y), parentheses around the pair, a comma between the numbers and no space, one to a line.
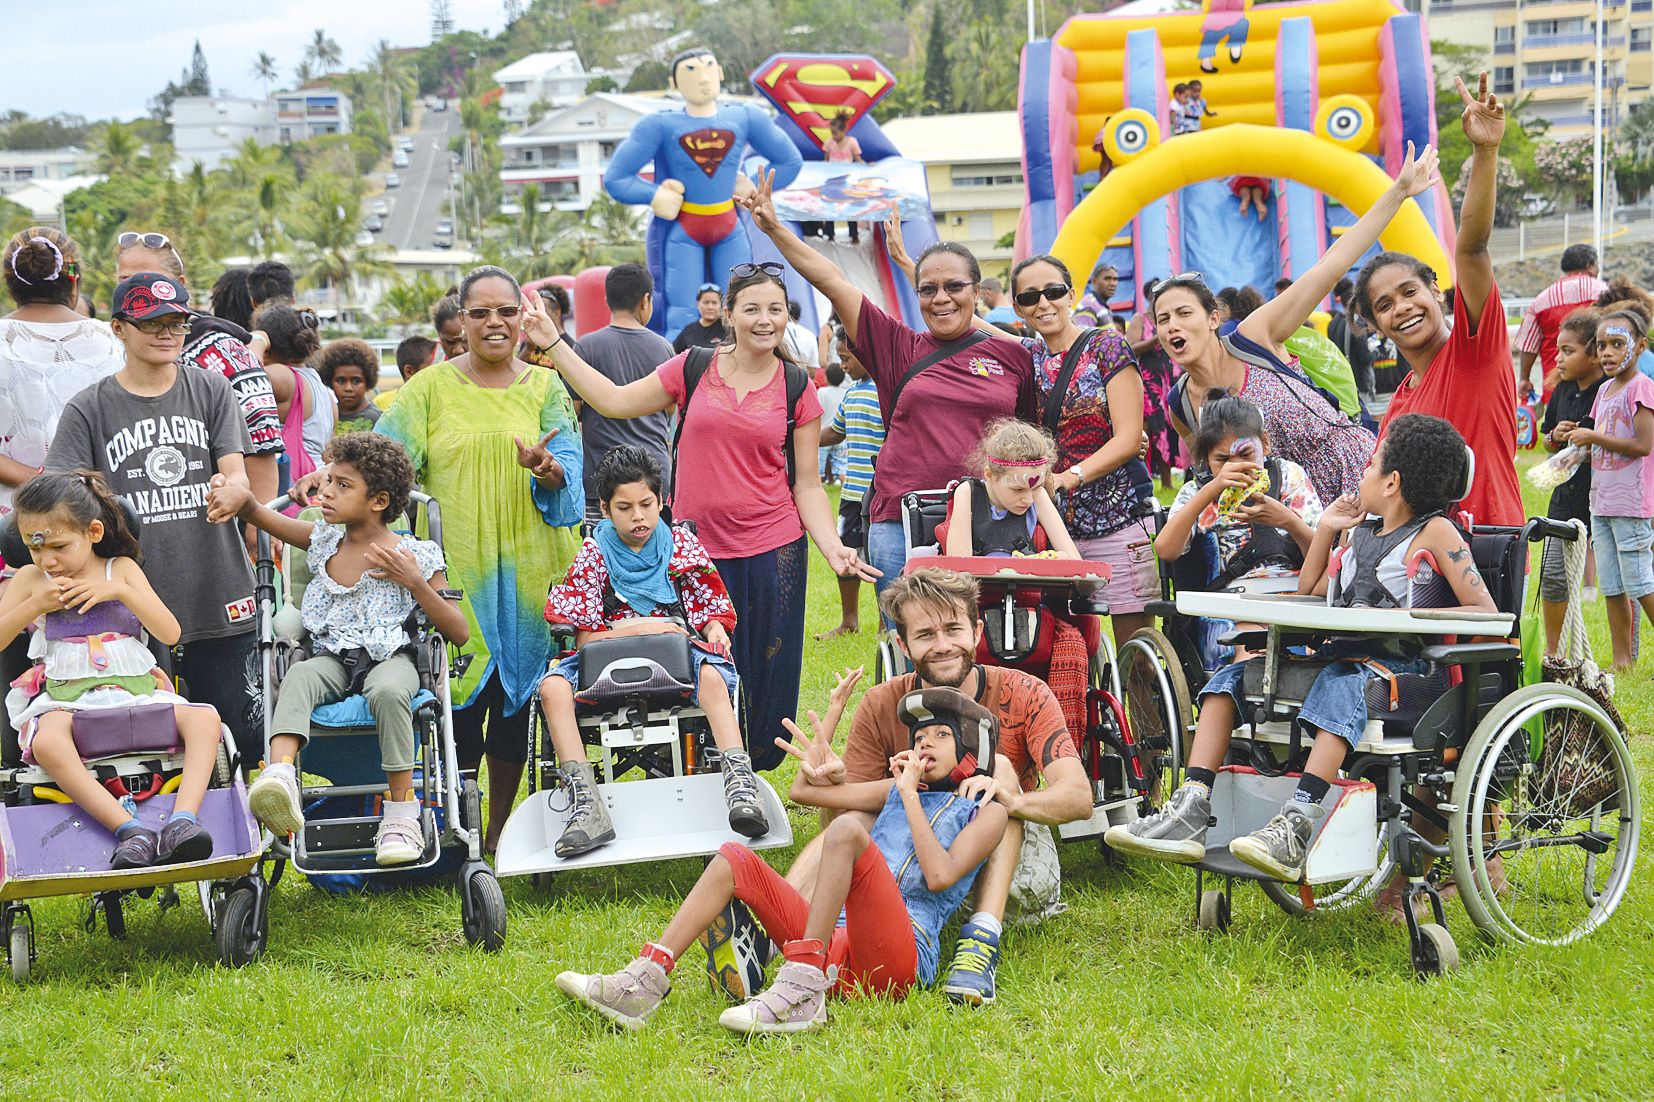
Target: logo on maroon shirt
(708,147)
(985,366)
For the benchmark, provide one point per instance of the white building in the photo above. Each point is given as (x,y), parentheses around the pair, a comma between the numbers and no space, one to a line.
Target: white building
(210,129)
(21,167)
(43,199)
(311,112)
(567,152)
(555,78)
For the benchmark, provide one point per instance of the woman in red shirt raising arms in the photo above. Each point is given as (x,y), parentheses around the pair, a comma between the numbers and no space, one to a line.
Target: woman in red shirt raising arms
(1463,372)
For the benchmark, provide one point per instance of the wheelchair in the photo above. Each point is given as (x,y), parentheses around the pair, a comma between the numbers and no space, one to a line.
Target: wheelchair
(634,709)
(343,749)
(50,847)
(1528,792)
(1020,600)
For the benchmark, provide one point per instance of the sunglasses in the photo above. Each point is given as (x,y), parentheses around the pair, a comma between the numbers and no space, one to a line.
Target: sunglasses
(1051,292)
(951,287)
(1172,281)
(156,326)
(129,239)
(768,267)
(480,313)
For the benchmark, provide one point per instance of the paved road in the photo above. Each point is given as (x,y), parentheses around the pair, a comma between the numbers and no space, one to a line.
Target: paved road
(422,200)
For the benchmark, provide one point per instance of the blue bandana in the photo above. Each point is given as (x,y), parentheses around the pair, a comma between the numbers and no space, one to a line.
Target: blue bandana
(639,577)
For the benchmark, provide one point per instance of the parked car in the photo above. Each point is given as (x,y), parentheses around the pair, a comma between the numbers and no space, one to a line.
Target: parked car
(374,224)
(443,241)
(363,239)
(399,159)
(381,208)
(437,103)
(392,180)
(445,227)
(405,144)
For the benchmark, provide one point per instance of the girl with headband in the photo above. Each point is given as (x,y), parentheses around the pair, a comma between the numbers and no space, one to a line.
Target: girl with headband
(1622,478)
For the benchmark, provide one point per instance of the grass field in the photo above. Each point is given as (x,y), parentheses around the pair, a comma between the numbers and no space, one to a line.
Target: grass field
(379,996)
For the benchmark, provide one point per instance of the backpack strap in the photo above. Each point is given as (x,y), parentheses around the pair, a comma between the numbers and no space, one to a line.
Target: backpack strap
(797,380)
(1070,364)
(1182,404)
(695,367)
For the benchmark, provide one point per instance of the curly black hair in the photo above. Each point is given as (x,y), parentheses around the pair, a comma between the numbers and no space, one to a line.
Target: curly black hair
(625,464)
(1429,455)
(382,462)
(349,351)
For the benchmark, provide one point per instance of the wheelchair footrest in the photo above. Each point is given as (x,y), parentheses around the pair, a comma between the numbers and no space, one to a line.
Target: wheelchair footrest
(352,837)
(1345,842)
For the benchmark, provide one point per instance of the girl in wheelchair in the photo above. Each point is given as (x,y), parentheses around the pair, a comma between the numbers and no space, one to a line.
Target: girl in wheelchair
(366,580)
(631,575)
(1396,548)
(92,604)
(1245,515)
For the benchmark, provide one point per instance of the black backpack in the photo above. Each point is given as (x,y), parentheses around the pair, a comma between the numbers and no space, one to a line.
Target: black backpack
(694,370)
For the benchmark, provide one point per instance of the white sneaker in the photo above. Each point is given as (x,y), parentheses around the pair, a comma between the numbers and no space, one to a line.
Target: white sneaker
(274,800)
(401,839)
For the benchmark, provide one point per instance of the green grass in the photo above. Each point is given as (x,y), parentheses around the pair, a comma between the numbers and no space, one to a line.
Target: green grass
(365,996)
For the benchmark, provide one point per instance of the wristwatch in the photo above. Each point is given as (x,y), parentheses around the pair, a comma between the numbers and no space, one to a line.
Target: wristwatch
(1077,473)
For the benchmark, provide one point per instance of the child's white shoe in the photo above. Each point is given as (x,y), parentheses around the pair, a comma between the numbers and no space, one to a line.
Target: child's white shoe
(401,840)
(274,800)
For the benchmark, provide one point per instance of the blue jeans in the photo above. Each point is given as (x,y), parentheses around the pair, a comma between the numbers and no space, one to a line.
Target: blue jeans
(568,668)
(886,550)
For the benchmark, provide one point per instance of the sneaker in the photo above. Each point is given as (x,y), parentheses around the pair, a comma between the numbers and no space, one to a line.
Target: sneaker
(135,849)
(274,800)
(746,810)
(1177,832)
(1279,848)
(736,953)
(971,980)
(589,825)
(401,837)
(626,997)
(795,1002)
(183,841)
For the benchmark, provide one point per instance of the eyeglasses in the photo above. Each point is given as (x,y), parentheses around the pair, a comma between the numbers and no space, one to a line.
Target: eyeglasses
(480,313)
(1181,277)
(768,267)
(951,287)
(156,326)
(1051,292)
(129,239)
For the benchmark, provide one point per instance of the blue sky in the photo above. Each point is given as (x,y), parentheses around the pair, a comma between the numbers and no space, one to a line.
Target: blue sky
(102,58)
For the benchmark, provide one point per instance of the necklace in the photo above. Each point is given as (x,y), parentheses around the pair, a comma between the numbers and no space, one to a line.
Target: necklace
(477,378)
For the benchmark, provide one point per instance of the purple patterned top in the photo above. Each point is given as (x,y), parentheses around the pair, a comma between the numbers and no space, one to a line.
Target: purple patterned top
(1305,428)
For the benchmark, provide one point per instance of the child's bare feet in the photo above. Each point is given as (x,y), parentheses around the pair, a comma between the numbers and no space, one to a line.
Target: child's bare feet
(848,627)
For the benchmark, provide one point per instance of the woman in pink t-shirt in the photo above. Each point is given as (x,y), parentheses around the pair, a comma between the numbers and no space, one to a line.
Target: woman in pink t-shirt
(731,480)
(1461,372)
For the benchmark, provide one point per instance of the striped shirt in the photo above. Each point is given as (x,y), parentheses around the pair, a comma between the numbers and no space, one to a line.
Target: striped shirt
(1543,318)
(859,419)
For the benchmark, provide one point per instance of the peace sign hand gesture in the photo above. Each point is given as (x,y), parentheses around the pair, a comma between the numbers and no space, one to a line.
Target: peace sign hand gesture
(818,763)
(539,462)
(538,327)
(1484,116)
(760,202)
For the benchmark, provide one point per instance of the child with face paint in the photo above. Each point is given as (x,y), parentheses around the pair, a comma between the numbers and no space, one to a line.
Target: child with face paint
(1622,478)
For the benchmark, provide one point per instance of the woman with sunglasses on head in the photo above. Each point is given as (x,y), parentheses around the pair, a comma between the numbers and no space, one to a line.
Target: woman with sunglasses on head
(1097,420)
(752,497)
(1302,424)
(495,441)
(967,377)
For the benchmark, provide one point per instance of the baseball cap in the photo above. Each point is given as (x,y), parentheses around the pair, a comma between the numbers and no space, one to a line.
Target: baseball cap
(150,295)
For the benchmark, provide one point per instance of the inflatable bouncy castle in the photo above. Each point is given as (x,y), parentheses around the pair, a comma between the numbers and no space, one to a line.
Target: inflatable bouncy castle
(1317,101)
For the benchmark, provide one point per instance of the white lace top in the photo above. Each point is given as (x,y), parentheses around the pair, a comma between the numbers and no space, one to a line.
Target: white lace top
(368,614)
(42,366)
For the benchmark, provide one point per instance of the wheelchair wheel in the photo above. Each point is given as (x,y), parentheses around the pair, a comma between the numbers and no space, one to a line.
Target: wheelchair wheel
(114,914)
(239,933)
(1436,955)
(19,942)
(1544,828)
(482,908)
(1157,703)
(888,659)
(1214,911)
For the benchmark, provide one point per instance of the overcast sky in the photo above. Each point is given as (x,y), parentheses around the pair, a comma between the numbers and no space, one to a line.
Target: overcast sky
(102,58)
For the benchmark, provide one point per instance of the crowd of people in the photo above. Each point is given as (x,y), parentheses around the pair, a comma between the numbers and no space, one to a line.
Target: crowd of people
(573,463)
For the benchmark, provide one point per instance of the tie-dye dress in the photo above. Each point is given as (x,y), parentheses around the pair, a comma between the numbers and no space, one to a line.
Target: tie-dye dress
(505,538)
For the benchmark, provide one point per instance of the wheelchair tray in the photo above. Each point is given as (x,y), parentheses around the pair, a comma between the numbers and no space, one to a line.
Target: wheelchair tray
(1314,614)
(659,819)
(1068,576)
(1345,843)
(49,849)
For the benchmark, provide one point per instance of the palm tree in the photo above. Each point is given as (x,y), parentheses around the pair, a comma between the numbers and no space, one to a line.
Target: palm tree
(304,72)
(410,301)
(396,84)
(324,52)
(324,227)
(264,70)
(118,151)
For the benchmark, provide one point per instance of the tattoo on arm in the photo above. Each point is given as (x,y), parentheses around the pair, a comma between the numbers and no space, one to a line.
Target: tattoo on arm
(1471,577)
(1460,555)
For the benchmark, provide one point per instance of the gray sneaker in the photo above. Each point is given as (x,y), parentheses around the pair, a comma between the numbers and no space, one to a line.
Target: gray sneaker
(746,809)
(589,825)
(1177,832)
(626,997)
(1279,848)
(795,1002)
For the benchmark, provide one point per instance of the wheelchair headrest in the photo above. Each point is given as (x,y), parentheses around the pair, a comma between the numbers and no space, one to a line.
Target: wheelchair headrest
(16,553)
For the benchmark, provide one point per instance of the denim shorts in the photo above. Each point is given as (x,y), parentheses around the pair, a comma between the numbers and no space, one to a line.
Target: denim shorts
(568,668)
(1336,701)
(1625,562)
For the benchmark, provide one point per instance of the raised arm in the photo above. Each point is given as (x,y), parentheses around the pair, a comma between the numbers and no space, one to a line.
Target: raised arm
(552,349)
(1484,124)
(1276,320)
(821,273)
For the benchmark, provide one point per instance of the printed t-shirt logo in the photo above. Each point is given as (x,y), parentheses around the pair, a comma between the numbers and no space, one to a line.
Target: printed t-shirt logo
(708,147)
(165,466)
(984,366)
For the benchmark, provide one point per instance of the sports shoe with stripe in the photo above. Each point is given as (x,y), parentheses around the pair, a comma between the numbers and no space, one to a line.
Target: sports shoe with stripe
(736,953)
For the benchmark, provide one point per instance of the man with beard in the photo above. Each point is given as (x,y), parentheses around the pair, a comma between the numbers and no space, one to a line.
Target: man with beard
(938,627)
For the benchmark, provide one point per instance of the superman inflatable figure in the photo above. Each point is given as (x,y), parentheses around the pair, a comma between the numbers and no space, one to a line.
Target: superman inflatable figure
(697,157)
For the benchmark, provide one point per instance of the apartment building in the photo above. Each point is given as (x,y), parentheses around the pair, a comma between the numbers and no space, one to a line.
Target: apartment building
(20,168)
(209,129)
(311,112)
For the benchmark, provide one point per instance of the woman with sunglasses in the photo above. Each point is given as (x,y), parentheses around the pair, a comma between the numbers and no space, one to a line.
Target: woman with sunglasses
(970,378)
(473,426)
(1303,425)
(730,476)
(1098,429)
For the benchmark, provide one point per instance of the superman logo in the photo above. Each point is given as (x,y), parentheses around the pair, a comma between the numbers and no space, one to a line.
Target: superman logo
(708,147)
(810,89)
